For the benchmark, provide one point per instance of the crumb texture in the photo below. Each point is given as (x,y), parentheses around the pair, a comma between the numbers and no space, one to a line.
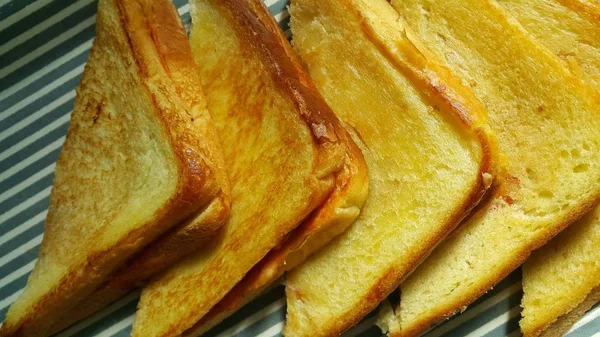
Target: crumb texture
(546,121)
(560,275)
(424,162)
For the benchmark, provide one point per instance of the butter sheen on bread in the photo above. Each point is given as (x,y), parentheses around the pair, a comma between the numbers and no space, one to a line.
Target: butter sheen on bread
(137,160)
(330,218)
(282,151)
(426,145)
(546,120)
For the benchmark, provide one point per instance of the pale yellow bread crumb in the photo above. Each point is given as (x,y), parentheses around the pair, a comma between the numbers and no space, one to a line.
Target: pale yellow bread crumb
(569,28)
(139,157)
(426,144)
(561,279)
(546,120)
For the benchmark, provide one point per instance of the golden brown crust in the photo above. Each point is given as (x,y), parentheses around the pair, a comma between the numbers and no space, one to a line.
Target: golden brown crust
(440,88)
(350,190)
(155,32)
(255,25)
(588,8)
(196,185)
(170,248)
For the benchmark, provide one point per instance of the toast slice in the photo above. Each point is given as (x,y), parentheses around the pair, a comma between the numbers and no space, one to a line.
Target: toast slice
(329,220)
(561,280)
(186,238)
(426,145)
(139,157)
(282,144)
(546,121)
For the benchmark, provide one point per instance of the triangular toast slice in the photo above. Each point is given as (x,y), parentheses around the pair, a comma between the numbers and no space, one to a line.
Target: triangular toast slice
(188,237)
(284,148)
(426,145)
(329,220)
(561,280)
(140,156)
(546,120)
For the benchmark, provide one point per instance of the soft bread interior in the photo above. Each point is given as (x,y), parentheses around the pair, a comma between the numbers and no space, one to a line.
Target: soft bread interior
(559,277)
(425,163)
(545,119)
(561,280)
(281,163)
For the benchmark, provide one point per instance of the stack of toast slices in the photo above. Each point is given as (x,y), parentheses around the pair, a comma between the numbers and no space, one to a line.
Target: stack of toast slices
(140,179)
(430,146)
(561,281)
(545,116)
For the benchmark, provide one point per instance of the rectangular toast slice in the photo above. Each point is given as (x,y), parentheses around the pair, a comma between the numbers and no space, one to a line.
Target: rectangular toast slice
(546,120)
(140,156)
(283,146)
(426,145)
(561,280)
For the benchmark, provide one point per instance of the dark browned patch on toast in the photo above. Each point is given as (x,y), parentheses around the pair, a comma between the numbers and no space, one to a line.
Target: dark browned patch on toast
(257,27)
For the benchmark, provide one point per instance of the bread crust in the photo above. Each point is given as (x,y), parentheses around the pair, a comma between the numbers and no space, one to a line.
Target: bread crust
(188,237)
(588,8)
(197,182)
(440,88)
(443,311)
(434,318)
(257,30)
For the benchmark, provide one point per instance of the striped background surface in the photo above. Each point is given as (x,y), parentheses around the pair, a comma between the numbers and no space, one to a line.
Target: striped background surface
(43,48)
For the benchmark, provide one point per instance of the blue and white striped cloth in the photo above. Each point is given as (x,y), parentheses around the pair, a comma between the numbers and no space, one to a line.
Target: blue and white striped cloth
(44,45)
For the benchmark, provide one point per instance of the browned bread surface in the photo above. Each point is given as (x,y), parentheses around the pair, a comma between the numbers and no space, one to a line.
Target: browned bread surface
(425,142)
(546,120)
(326,222)
(281,146)
(138,159)
(186,238)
